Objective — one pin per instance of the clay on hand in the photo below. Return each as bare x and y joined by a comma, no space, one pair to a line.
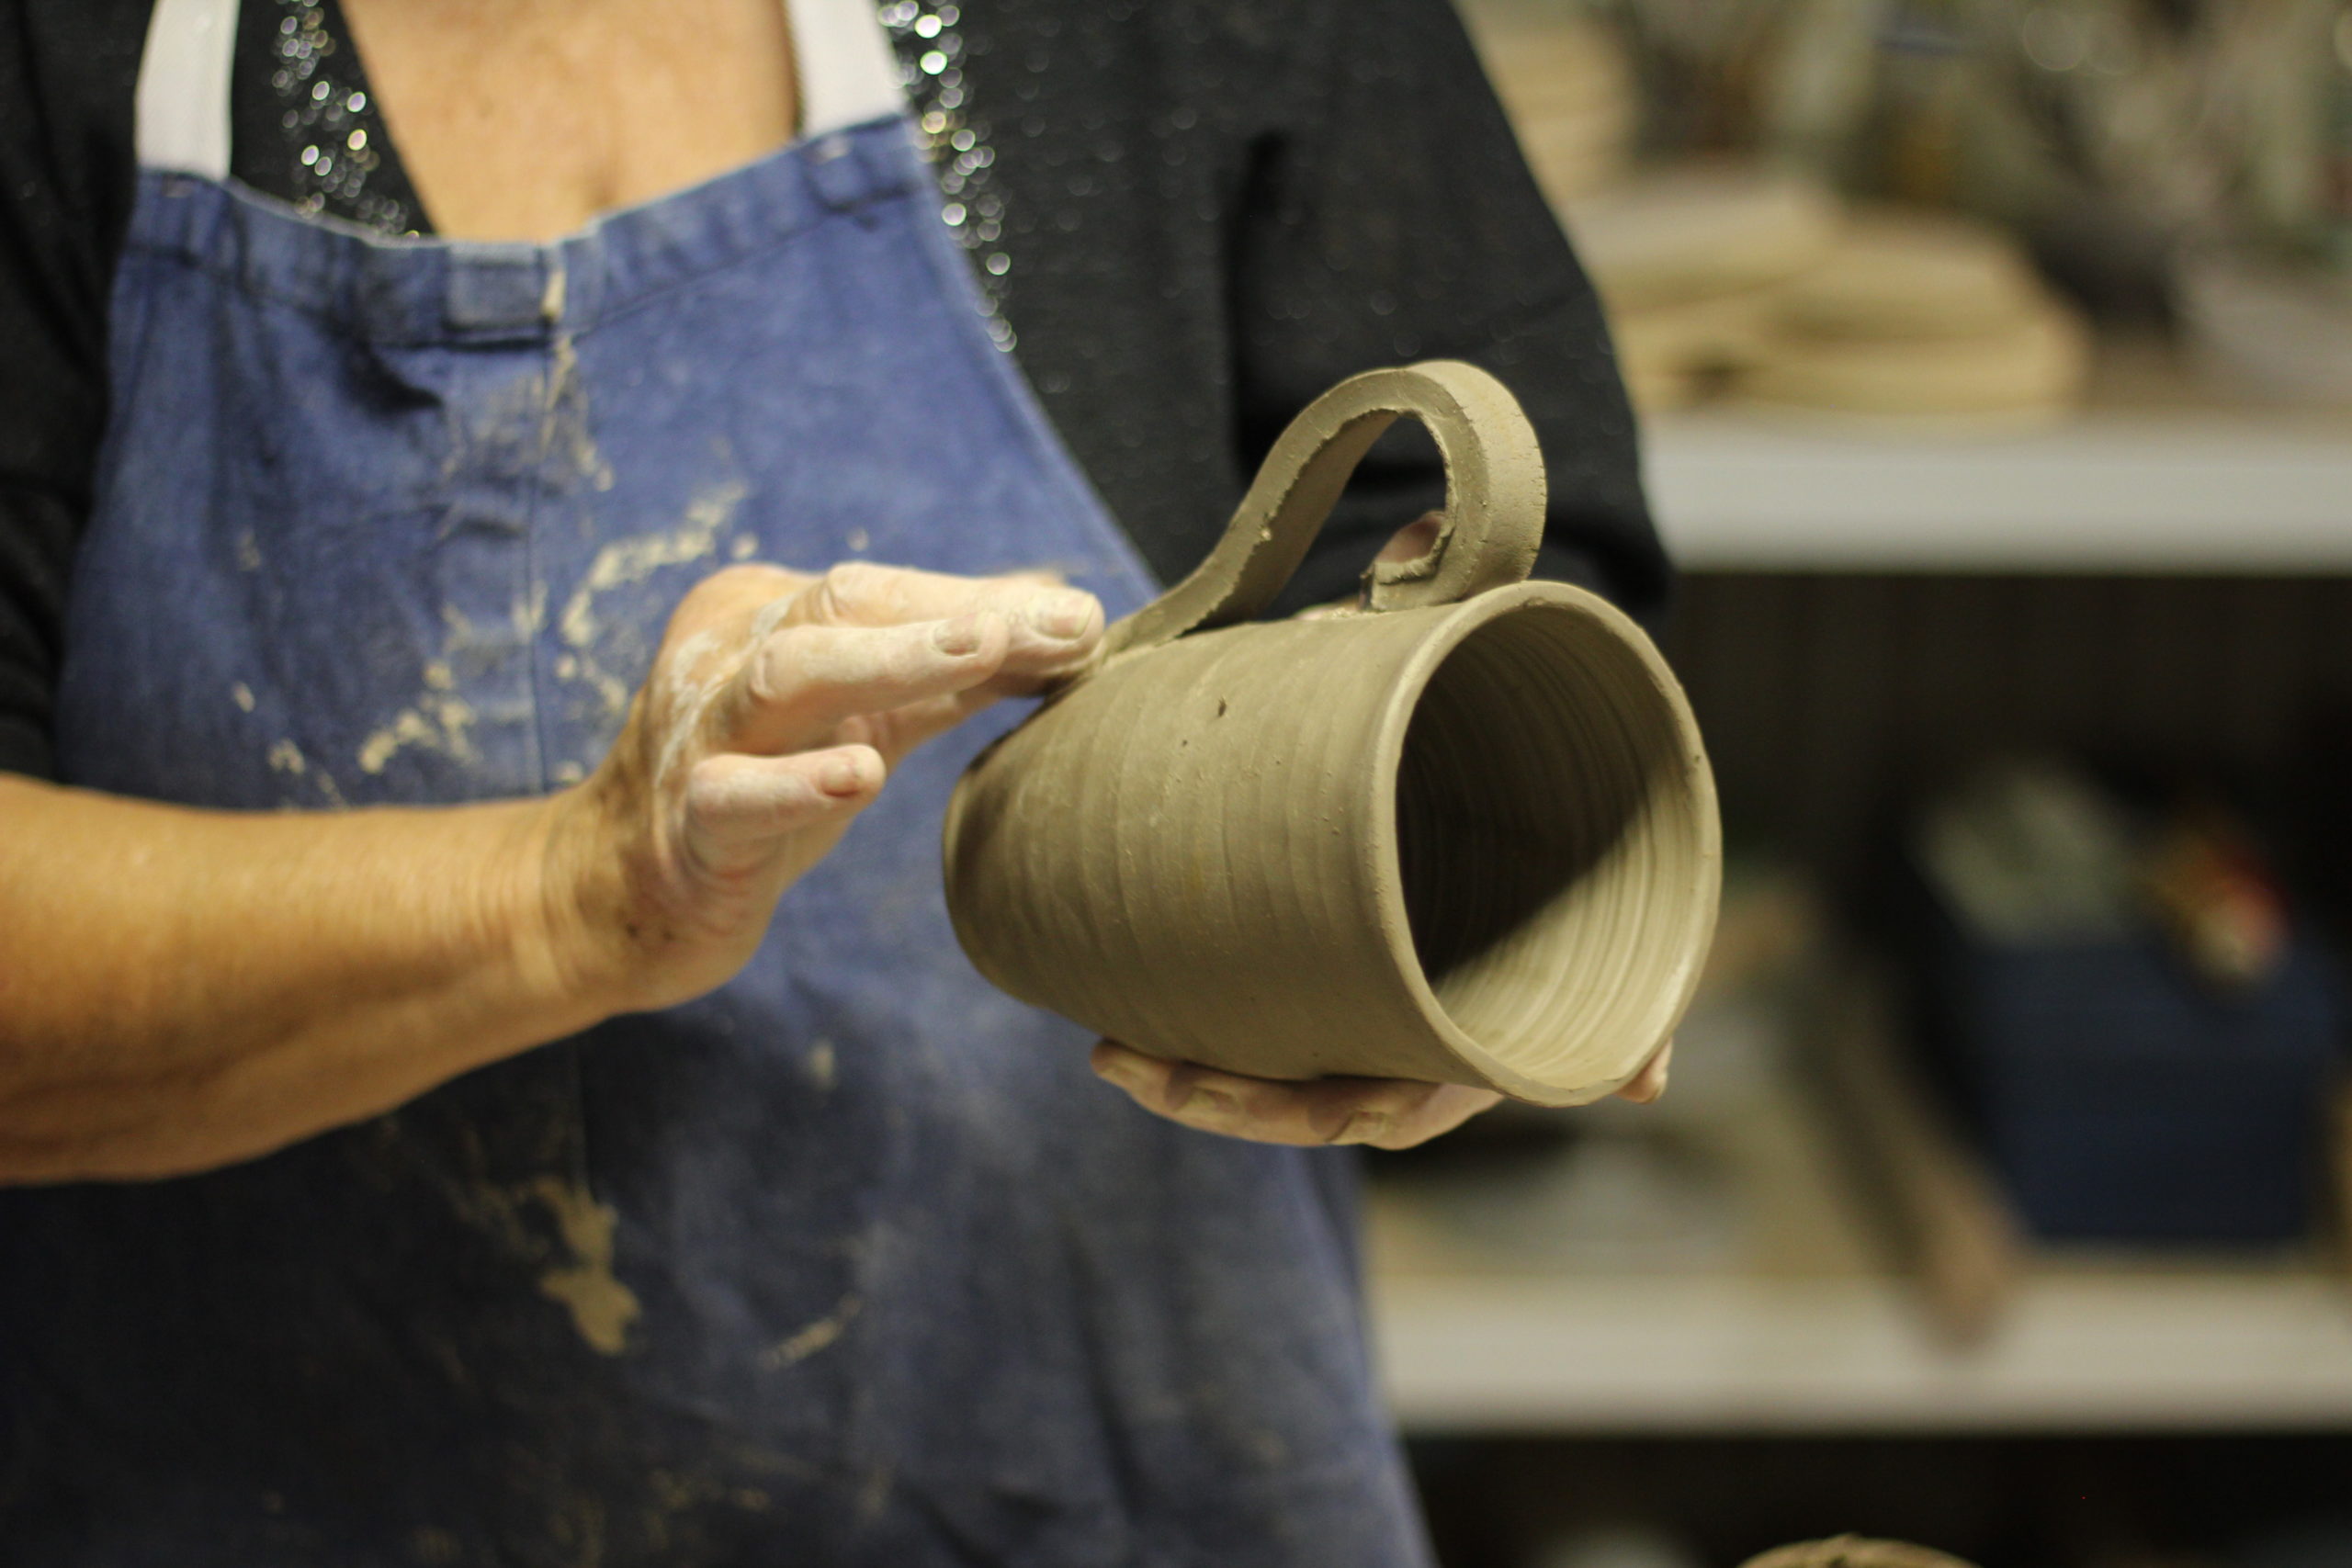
1389,1113
776,707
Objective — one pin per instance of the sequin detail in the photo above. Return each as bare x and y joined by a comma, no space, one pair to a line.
334,135
932,53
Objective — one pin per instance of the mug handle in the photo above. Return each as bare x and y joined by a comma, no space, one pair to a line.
1487,535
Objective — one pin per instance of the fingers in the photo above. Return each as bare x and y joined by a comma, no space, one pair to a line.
1650,1082
739,810
1052,629
1388,1112
802,681
1411,542
1451,1105
1414,540
819,661
862,594
900,730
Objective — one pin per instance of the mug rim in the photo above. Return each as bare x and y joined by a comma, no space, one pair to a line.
1702,890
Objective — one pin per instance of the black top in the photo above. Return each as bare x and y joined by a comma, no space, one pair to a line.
1194,215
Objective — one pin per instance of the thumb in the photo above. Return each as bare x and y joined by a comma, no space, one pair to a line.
1414,540
740,810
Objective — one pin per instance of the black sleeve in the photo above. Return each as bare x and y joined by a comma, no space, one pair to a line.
68,69
1398,221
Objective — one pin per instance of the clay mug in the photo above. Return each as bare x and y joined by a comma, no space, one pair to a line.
1464,834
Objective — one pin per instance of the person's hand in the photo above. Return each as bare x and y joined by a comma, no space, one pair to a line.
776,707
1389,1113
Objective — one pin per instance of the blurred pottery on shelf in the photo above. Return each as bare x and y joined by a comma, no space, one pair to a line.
2030,372
1569,89
1466,833
1700,231
1757,286
1913,274
1676,354
2279,333
1921,317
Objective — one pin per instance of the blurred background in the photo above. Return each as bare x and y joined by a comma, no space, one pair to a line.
1995,360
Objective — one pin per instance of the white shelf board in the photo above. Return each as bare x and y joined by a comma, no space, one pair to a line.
2082,1350
2176,491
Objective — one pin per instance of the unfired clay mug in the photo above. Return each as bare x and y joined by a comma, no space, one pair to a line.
1465,834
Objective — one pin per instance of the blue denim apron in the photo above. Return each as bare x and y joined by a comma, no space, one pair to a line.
849,1262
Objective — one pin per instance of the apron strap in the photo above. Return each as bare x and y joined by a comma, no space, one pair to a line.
181,110
846,71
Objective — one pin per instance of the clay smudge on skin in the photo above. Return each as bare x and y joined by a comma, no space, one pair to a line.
602,1307
689,698
818,1335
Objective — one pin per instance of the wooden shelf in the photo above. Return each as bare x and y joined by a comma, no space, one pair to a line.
2084,1347
2174,491
1759,1287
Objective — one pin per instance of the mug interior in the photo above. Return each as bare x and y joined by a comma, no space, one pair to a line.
1550,848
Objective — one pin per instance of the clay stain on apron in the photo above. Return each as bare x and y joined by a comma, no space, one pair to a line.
818,1335
565,429
286,758
438,719
625,562
602,1307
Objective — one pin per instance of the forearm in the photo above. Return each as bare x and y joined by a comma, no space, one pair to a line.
184,988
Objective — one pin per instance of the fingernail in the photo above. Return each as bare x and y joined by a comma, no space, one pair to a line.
1063,614
959,636
1126,1077
1365,1127
1209,1102
841,775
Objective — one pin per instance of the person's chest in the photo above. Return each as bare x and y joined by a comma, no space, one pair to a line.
525,119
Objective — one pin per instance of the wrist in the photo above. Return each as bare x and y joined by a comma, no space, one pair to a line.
570,925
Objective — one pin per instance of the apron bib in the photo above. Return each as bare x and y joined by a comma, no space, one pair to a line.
852,1261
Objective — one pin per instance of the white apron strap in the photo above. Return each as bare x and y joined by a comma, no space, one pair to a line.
181,107
846,69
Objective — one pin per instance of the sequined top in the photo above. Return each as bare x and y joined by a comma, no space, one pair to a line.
303,125
1192,216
